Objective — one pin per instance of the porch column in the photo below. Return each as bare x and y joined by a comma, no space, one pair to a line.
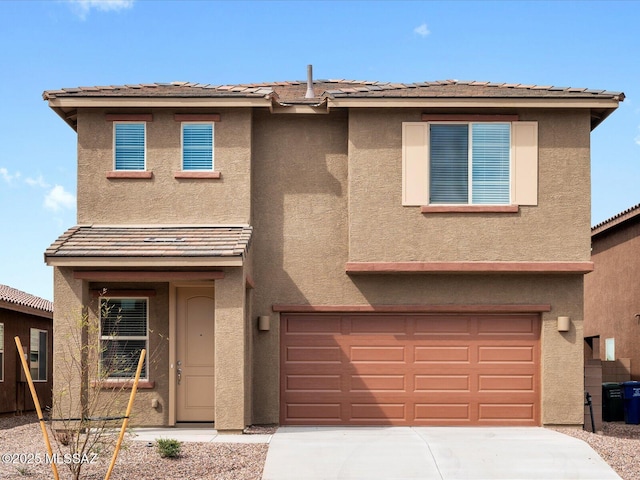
230,338
69,337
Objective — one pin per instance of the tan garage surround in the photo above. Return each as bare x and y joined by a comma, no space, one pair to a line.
410,369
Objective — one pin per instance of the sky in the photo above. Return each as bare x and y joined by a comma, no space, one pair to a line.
48,45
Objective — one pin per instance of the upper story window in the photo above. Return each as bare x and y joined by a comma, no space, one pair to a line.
129,145
123,335
38,355
469,164
197,147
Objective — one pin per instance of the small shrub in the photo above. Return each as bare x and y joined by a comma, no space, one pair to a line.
168,447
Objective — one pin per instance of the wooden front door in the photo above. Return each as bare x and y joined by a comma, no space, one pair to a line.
195,355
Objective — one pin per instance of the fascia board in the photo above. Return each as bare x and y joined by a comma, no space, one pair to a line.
149,102
144,262
474,102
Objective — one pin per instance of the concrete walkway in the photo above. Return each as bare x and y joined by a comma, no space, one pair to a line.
387,453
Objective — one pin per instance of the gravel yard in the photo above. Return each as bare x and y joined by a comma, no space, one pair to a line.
618,444
219,461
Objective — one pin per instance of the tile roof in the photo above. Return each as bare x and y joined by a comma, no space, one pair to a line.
294,91
17,297
618,219
119,241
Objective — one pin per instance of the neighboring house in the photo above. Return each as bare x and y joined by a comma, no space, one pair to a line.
30,318
612,293
365,254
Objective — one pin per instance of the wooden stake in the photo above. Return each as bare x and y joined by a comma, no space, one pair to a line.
126,416
37,404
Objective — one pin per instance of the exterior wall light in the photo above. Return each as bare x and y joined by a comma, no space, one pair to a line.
564,324
264,323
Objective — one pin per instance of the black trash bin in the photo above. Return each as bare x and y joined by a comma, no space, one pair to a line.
612,402
631,393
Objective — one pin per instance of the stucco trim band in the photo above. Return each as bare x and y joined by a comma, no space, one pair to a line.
198,175
468,267
455,117
518,308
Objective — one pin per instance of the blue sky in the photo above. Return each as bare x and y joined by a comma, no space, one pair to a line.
53,44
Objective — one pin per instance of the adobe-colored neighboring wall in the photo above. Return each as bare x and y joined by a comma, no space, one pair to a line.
310,198
14,395
164,199
612,291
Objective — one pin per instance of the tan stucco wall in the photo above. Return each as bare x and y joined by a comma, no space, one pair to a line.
612,291
313,192
164,199
555,230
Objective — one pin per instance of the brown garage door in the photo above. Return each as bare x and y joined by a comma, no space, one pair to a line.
406,369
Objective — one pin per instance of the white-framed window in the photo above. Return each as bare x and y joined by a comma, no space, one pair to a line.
197,146
129,145
469,163
38,354
609,349
1,352
123,334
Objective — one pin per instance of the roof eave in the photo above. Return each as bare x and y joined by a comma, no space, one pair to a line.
16,307
144,262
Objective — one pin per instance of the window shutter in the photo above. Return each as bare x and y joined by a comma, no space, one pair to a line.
449,153
129,146
491,147
415,164
524,142
197,146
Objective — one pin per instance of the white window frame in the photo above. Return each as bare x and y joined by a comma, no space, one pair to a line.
416,168
213,138
1,352
107,338
610,349
39,353
469,126
122,122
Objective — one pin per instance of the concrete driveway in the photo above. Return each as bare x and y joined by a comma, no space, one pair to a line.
386,453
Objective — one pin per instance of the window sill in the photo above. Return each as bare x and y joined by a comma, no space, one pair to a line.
469,209
129,174
186,174
123,384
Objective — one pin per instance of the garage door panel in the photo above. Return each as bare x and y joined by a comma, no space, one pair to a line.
377,354
442,412
306,354
442,383
505,412
511,355
380,411
313,383
383,324
378,383
310,413
309,325
432,374
443,326
507,325
506,383
442,354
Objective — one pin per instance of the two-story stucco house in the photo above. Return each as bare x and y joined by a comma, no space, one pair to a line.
344,252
